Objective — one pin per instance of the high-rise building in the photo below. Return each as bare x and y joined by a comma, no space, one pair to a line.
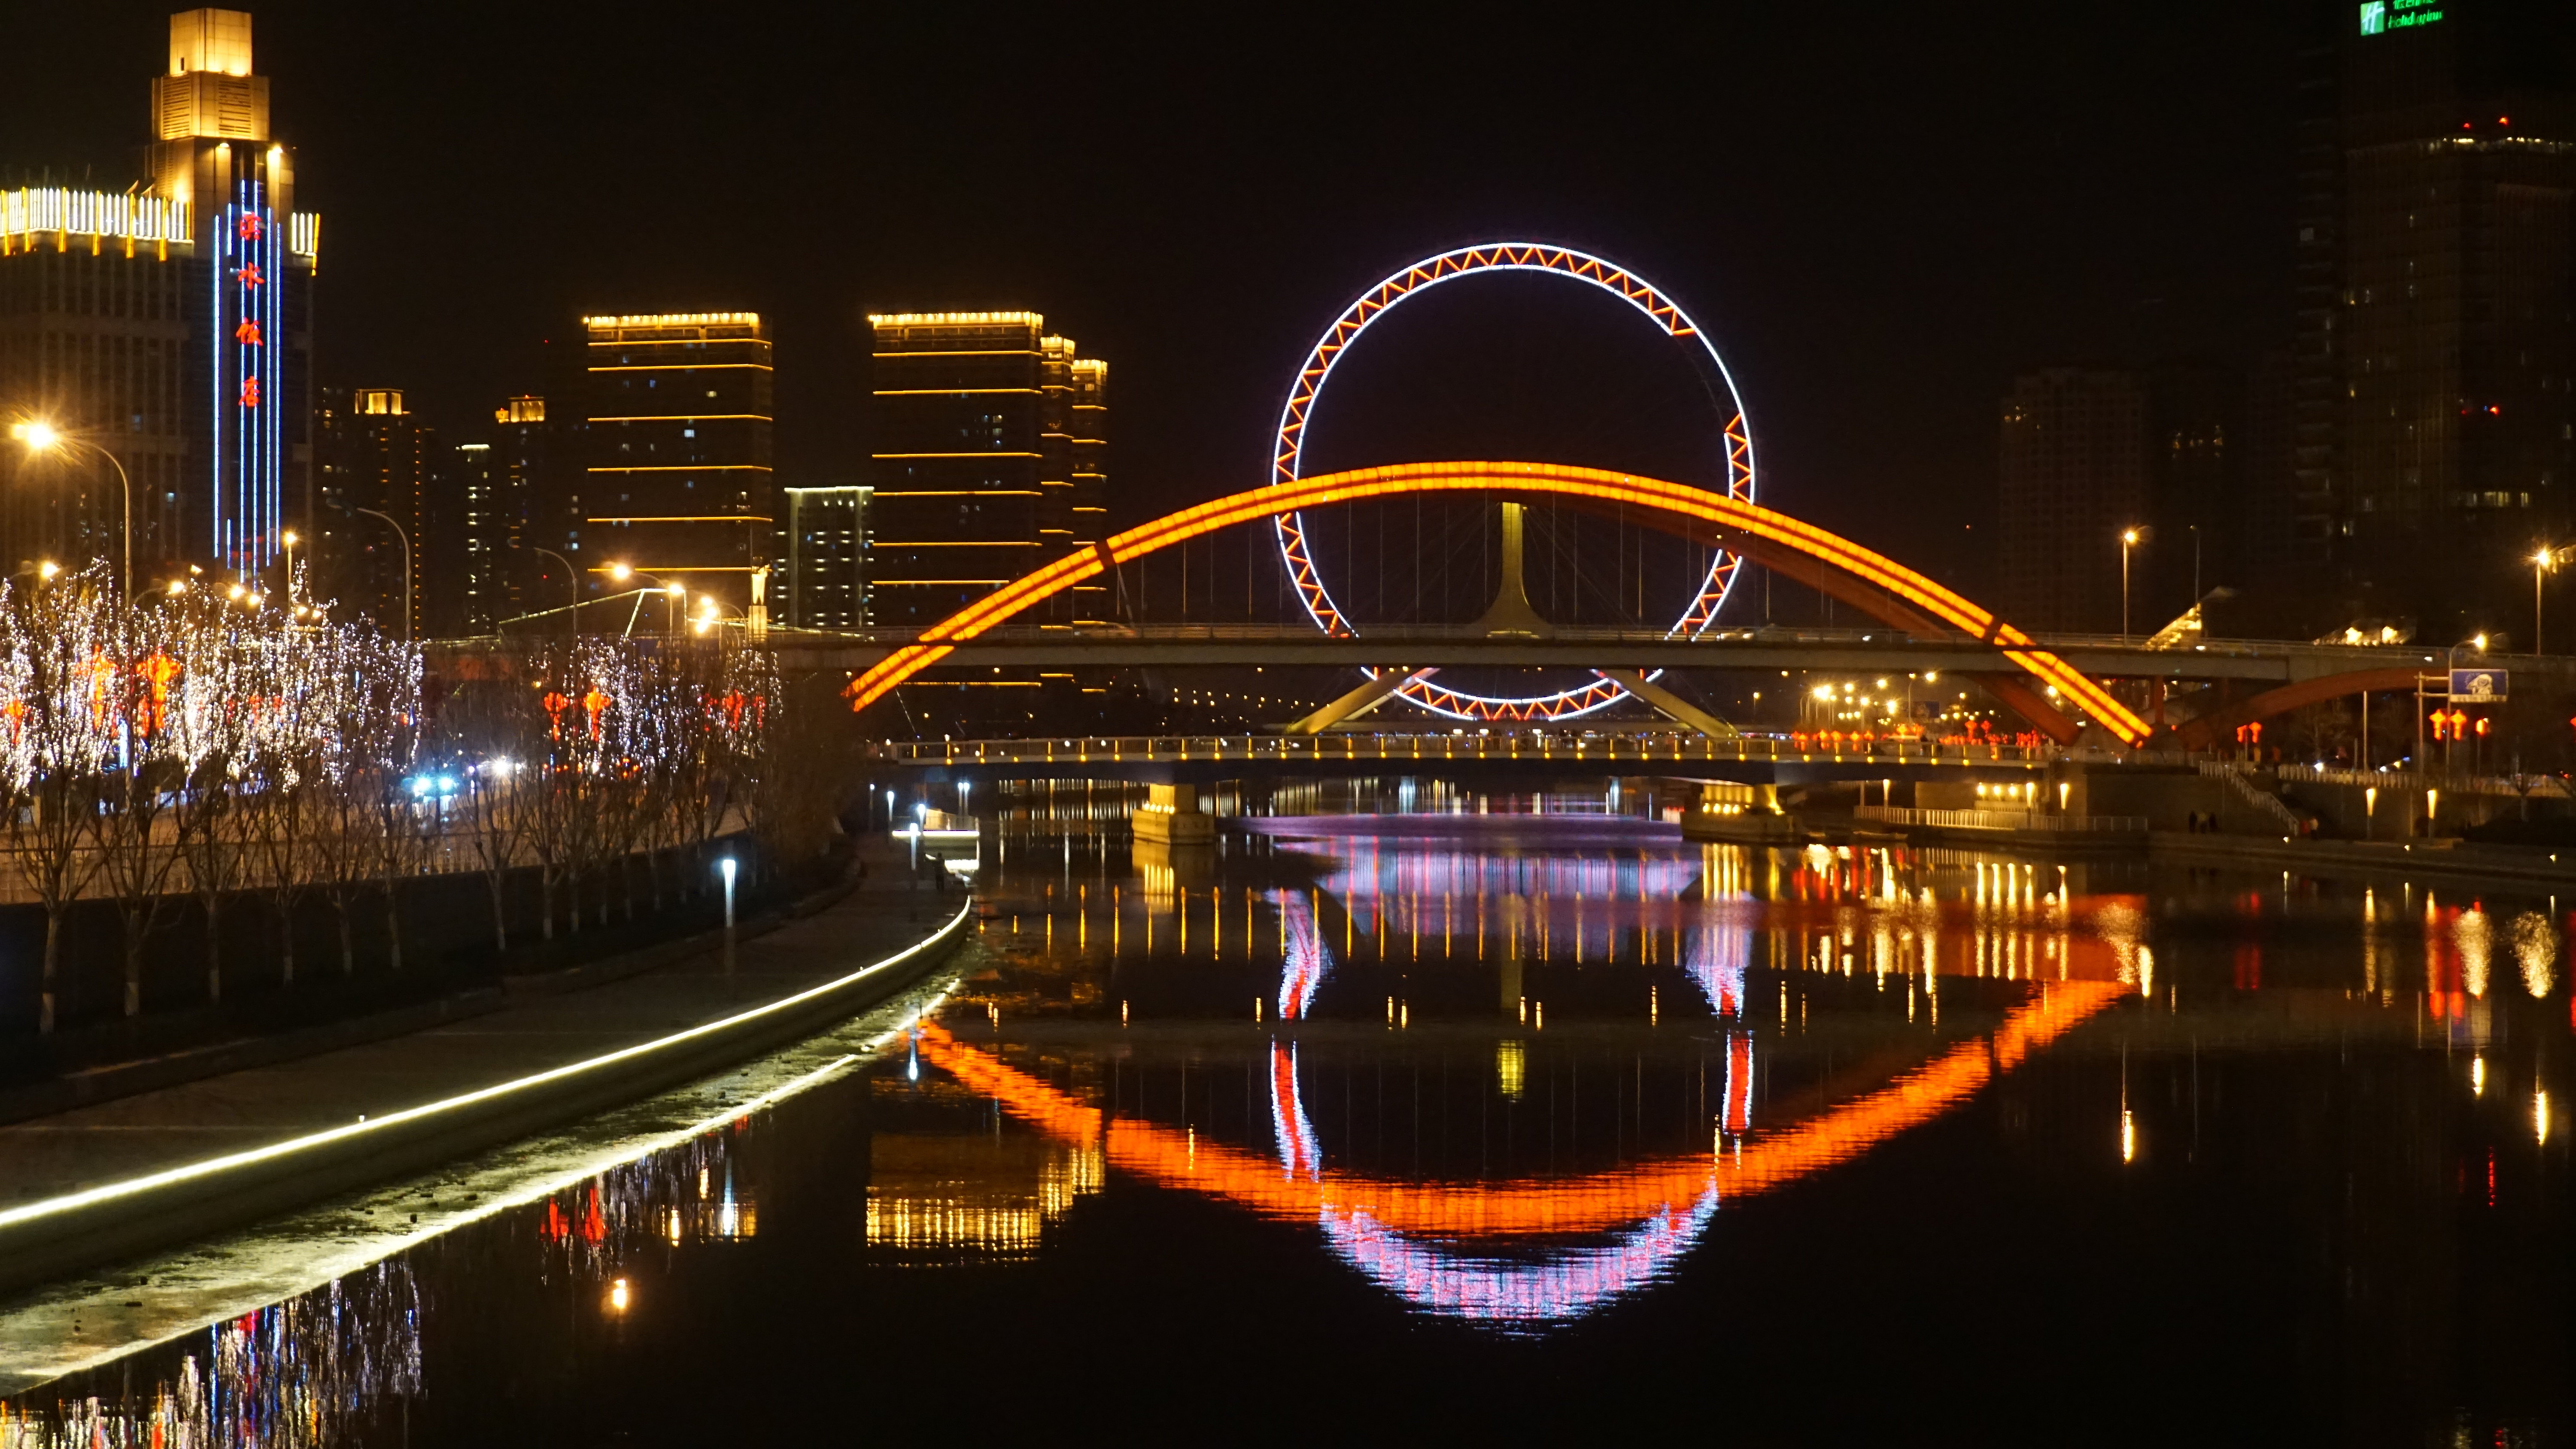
375,537
476,521
165,323
991,459
2195,442
2074,478
536,573
2435,425
826,584
677,481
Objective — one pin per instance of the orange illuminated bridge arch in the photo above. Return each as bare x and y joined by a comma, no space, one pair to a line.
1896,594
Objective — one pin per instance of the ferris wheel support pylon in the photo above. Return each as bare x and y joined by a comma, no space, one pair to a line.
1356,703
1672,706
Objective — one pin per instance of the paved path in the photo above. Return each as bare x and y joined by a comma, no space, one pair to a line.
112,1141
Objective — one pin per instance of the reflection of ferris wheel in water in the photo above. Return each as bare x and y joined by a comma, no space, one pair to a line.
1316,595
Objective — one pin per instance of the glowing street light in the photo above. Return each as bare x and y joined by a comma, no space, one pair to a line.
2541,563
2129,538
728,867
44,437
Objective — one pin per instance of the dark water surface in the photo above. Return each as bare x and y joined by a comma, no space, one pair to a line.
1476,1123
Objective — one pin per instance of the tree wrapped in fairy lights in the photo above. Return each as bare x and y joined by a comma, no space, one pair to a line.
199,746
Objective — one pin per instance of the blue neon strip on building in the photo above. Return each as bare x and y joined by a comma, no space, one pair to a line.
249,437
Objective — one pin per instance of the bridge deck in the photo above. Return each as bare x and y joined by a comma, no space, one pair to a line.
1751,756
1872,650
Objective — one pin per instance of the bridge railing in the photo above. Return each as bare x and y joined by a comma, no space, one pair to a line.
2395,655
2539,787
1567,746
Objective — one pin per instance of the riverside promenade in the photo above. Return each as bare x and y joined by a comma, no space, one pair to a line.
85,1187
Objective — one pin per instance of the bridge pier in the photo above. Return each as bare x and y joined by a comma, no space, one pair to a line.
1740,814
1171,816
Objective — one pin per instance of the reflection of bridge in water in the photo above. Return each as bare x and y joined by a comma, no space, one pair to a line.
1462,1248
2021,955
1547,1248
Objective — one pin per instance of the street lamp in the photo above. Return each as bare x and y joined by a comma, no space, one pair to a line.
728,867
2129,538
44,437
2541,563
673,595
406,554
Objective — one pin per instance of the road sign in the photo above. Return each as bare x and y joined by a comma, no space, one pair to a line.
2478,686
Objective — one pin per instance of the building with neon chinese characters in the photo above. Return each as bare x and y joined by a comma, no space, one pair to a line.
676,481
991,460
166,323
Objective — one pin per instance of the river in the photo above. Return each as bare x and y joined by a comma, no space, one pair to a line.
1409,1110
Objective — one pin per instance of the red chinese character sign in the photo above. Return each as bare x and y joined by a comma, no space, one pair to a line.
250,275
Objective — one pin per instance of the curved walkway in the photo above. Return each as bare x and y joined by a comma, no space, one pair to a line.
85,1187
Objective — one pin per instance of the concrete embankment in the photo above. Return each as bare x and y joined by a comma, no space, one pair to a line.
2446,859
89,1187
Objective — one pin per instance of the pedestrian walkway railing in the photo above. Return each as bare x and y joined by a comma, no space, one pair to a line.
1555,745
2549,787
2262,801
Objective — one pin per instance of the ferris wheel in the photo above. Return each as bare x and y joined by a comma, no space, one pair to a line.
1730,467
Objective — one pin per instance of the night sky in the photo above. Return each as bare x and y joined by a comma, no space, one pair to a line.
1880,212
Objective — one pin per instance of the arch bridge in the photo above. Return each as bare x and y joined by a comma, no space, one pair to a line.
1925,624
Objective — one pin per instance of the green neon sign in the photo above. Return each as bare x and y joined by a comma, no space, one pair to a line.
2378,17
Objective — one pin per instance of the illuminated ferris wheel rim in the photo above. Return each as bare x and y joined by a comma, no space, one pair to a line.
1287,458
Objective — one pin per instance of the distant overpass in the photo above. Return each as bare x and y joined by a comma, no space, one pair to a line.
1873,650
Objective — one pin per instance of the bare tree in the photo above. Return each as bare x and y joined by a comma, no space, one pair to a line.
801,767
488,728
57,747
136,834
284,820
214,846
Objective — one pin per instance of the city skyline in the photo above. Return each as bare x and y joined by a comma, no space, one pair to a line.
1842,250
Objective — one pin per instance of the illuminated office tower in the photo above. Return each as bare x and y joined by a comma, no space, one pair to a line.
167,324
377,456
826,559
478,520
2435,428
991,459
676,481
525,452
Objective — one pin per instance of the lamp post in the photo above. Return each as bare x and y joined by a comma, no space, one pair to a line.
2129,538
2540,563
41,437
406,548
672,594
727,866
